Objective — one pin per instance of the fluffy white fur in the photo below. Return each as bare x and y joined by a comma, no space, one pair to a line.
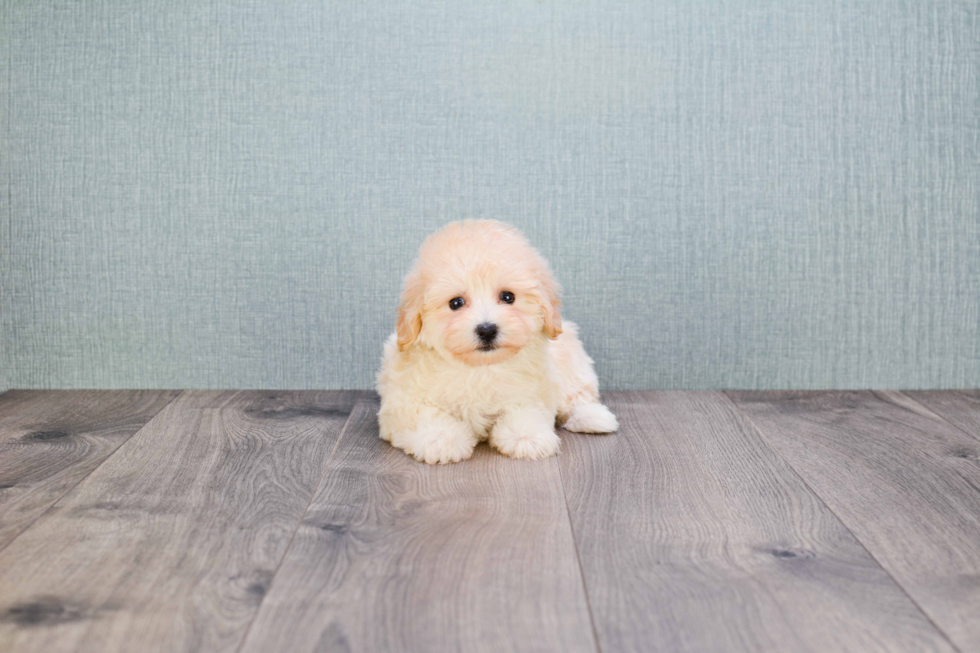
442,393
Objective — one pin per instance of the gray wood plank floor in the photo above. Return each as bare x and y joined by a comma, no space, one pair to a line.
394,555
962,409
902,479
695,536
170,544
51,440
278,521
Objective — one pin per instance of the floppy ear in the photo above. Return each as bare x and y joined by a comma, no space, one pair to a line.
410,311
551,305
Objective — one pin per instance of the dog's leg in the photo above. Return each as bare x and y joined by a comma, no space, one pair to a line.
579,409
435,437
526,432
591,418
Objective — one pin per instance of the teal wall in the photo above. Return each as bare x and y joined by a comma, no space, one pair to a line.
734,194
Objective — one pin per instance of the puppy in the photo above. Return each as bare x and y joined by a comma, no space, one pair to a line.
480,352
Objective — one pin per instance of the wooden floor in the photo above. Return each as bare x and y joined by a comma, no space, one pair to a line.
278,521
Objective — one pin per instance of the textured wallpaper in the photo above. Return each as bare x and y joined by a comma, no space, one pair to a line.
733,194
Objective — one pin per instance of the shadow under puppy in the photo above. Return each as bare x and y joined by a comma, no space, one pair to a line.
481,353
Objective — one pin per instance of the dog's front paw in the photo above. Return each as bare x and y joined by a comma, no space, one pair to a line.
591,418
526,434
437,443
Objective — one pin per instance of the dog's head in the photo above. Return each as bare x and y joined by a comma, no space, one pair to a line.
478,293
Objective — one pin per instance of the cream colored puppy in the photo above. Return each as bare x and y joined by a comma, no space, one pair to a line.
481,353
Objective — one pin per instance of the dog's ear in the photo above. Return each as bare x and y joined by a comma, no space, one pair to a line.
410,311
551,304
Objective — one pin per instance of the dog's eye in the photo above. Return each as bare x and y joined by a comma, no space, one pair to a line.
507,297
456,303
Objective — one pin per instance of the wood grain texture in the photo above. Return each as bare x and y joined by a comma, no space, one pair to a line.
695,536
959,407
51,440
171,544
394,555
904,481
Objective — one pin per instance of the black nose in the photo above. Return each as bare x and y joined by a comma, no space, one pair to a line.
487,332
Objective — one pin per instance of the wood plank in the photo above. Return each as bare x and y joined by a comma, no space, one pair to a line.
695,536
171,544
394,555
52,439
960,408
904,481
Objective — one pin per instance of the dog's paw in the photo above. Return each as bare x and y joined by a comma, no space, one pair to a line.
527,435
437,444
530,446
591,418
